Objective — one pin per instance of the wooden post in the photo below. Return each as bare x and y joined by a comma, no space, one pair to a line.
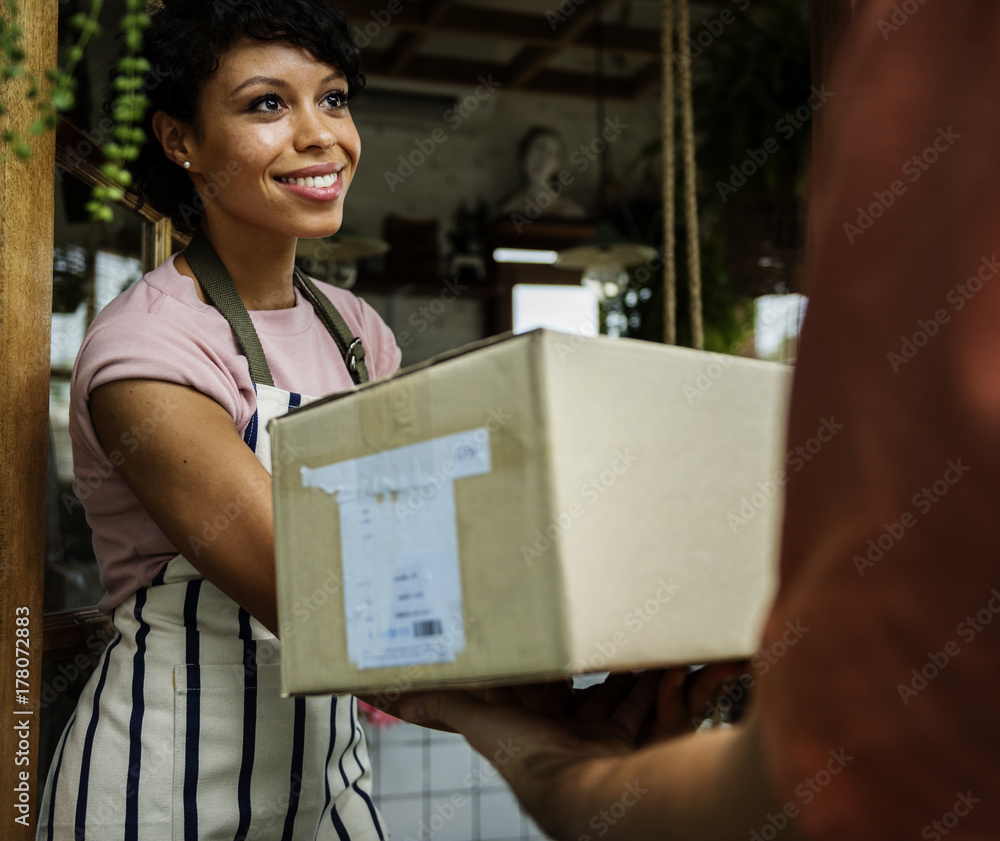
26,231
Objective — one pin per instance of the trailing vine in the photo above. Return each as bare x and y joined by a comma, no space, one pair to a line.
56,91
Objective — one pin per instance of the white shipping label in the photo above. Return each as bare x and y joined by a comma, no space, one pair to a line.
399,548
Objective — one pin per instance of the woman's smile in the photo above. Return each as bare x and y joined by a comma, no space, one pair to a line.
319,183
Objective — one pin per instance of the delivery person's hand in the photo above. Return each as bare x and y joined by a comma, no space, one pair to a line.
602,764
532,739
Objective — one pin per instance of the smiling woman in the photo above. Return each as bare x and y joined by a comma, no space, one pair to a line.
182,733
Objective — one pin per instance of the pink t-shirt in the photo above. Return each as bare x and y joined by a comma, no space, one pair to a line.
160,330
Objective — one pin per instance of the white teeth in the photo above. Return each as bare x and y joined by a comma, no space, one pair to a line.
320,181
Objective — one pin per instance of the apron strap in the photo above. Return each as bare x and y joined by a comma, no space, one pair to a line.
222,294
350,346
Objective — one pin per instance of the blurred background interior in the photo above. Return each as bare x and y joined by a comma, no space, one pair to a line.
498,136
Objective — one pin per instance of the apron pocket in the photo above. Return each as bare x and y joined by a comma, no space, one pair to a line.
233,752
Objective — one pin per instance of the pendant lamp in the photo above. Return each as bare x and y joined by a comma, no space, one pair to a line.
338,255
604,260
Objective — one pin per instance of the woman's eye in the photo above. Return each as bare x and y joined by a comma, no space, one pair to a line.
337,99
269,103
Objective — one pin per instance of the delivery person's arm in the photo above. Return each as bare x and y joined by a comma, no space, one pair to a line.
705,786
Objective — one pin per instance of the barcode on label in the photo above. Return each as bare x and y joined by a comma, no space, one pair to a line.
430,628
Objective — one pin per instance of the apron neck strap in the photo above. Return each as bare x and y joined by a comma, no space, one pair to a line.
222,294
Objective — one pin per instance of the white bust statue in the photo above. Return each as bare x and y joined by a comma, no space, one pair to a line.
541,153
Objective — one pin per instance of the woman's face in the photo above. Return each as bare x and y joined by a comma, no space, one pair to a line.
277,148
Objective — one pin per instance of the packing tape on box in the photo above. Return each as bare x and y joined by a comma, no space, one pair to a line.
399,547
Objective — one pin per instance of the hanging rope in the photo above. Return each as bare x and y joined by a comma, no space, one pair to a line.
690,185
669,244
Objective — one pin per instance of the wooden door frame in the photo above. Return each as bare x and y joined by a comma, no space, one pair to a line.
27,207
26,234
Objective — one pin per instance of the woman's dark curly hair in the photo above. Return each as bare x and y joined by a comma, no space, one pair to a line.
184,46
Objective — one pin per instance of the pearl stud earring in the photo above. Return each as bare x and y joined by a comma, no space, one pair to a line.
187,164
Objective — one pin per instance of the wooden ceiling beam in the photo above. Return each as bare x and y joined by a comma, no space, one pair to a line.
451,17
464,72
563,83
526,65
424,68
647,79
404,48
489,23
623,39
409,43
530,61
532,30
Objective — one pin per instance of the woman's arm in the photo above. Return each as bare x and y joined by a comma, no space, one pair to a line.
189,469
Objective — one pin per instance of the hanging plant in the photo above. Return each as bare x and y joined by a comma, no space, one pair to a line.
755,110
746,81
55,91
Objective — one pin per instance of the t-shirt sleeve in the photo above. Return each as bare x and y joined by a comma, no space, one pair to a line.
143,346
383,355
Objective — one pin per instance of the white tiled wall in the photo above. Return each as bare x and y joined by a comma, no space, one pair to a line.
432,786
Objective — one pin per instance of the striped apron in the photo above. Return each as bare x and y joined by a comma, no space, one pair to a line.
181,733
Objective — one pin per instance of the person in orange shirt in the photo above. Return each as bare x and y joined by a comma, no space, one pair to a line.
876,723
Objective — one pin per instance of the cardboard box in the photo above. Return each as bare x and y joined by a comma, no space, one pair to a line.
527,507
